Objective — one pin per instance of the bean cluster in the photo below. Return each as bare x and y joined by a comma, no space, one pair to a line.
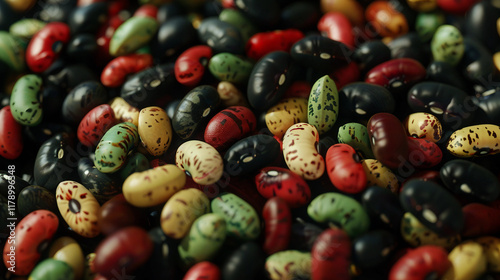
250,139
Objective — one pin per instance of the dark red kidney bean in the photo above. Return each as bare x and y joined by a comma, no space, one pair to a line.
117,70
270,78
173,36
123,251
336,26
161,263
370,54
221,36
302,15
11,138
264,13
481,22
117,213
476,65
360,101
244,263
298,89
389,140
450,105
283,183
443,72
396,73
433,206
373,248
146,10
168,11
103,186
421,263
148,87
488,104
82,48
423,153
346,75
480,220
331,255
344,169
70,76
262,43
88,18
56,161
229,126
320,53
95,124
191,65
45,46
470,179
83,98
34,198
250,154
199,104
203,270
277,225
410,46
383,205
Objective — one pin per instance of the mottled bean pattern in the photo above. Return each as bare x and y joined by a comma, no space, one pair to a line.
323,104
155,130
201,160
114,147
241,219
286,113
25,103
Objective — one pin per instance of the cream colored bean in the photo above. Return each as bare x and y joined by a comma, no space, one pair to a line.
201,160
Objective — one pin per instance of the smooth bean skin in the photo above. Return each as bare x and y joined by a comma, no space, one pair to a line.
115,72
131,35
417,234
88,18
409,46
174,35
201,160
191,65
261,12
389,144
229,67
360,101
380,175
250,154
370,54
277,224
264,43
373,248
426,24
116,213
396,73
52,269
124,112
421,262
323,104
468,261
471,179
473,141
382,204
203,270
244,263
320,53
443,72
67,249
480,24
386,20
476,64
270,78
286,113
230,95
95,124
25,102
480,220
34,198
102,185
112,151
11,138
239,20
356,136
289,264
424,126
490,246
331,255
155,130
433,206
337,27
46,45
221,36
423,153
229,126
12,52
344,169
332,207
488,107
83,98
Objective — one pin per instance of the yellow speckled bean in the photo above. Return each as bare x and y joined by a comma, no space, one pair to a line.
417,234
286,113
468,262
476,140
155,130
123,111
424,126
491,247
379,175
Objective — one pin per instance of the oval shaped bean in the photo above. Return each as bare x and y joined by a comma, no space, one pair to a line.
447,44
67,250
32,198
25,102
277,224
286,113
116,213
82,99
95,124
201,160
473,141
423,153
131,35
420,263
230,95
356,136
373,248
181,210
221,36
382,204
488,104
468,261
333,207
245,262
360,101
323,106
203,270
386,19
320,53
114,147
173,36
337,27
11,138
52,269
46,45
88,18
396,73
344,169
229,67
370,54
300,151
154,130
491,247
417,234
263,43
12,52
239,20
424,126
229,126
331,255
289,264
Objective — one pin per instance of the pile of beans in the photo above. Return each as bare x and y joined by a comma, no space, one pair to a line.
250,139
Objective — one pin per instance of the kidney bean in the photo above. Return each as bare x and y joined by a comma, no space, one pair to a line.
132,34
277,224
468,261
203,270
386,20
114,147
320,53
344,169
221,36
416,234
331,255
478,140
420,263
11,139
190,65
373,248
115,72
361,101
263,43
229,126
45,46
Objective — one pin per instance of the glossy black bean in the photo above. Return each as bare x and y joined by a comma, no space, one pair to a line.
270,78
451,105
443,72
221,36
82,48
34,198
470,179
69,76
383,205
168,11
18,184
302,15
102,185
263,13
250,154
303,235
373,248
244,263
148,87
325,143
53,98
44,131
56,161
370,54
171,106
88,18
433,206
321,53
477,66
362,100
488,104
196,107
410,46
173,37
83,98
481,24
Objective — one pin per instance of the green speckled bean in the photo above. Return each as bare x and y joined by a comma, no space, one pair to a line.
11,51
26,27
205,237
426,24
131,35
231,68
241,219
240,21
323,105
341,210
114,147
356,136
50,269
447,44
25,103
417,234
289,264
